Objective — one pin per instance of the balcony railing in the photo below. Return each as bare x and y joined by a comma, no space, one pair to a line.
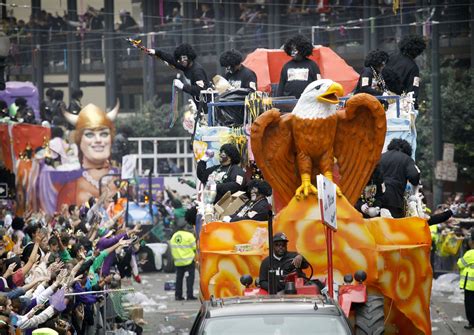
165,156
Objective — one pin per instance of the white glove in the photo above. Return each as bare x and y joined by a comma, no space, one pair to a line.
207,155
365,209
178,84
373,211
385,213
151,51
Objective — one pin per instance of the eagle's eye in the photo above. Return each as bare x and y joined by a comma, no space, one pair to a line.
318,87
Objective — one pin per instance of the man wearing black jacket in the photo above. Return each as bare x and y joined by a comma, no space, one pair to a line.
284,262
228,176
398,167
183,59
300,71
404,64
237,74
371,80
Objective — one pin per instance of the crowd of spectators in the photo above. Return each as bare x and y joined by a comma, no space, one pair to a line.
44,258
248,21
50,110
451,226
79,249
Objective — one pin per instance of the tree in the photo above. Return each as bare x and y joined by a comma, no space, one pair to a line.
153,121
457,113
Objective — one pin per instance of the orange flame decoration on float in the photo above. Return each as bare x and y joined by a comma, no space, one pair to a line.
394,253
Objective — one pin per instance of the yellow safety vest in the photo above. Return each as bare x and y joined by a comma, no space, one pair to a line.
183,247
466,269
434,234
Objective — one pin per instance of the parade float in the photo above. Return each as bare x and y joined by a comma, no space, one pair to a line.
393,253
345,148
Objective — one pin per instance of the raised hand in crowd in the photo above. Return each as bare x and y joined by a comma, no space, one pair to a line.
10,270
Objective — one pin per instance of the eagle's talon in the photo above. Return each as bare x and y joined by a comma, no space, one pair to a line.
305,189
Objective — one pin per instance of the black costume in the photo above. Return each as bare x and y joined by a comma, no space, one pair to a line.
283,266
75,106
440,217
408,71
27,114
372,195
228,178
252,210
370,82
46,113
242,78
295,76
195,74
398,168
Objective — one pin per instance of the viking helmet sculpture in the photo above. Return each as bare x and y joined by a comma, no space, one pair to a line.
92,117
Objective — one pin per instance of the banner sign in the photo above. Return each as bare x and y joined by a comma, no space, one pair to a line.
327,195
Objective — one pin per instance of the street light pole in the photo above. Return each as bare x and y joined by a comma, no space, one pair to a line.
436,103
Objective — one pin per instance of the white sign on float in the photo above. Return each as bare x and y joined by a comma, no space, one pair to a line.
327,197
129,164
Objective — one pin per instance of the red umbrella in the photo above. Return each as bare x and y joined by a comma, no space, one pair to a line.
267,64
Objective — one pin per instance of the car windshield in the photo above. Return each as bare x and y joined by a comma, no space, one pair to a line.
276,325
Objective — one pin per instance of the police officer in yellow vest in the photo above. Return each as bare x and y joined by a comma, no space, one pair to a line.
466,269
183,250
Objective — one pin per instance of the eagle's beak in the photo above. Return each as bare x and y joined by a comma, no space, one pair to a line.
332,94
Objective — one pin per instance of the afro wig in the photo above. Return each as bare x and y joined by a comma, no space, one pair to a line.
412,46
231,151
301,43
399,144
231,58
392,80
262,186
376,58
184,50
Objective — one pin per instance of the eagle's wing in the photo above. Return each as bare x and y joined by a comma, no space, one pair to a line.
272,145
358,144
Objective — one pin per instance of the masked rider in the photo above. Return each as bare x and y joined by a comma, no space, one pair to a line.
228,175
297,73
256,208
238,75
184,59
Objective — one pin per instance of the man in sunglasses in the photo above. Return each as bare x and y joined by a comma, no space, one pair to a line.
183,59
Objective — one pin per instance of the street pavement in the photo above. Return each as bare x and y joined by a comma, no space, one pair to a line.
448,317
164,315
